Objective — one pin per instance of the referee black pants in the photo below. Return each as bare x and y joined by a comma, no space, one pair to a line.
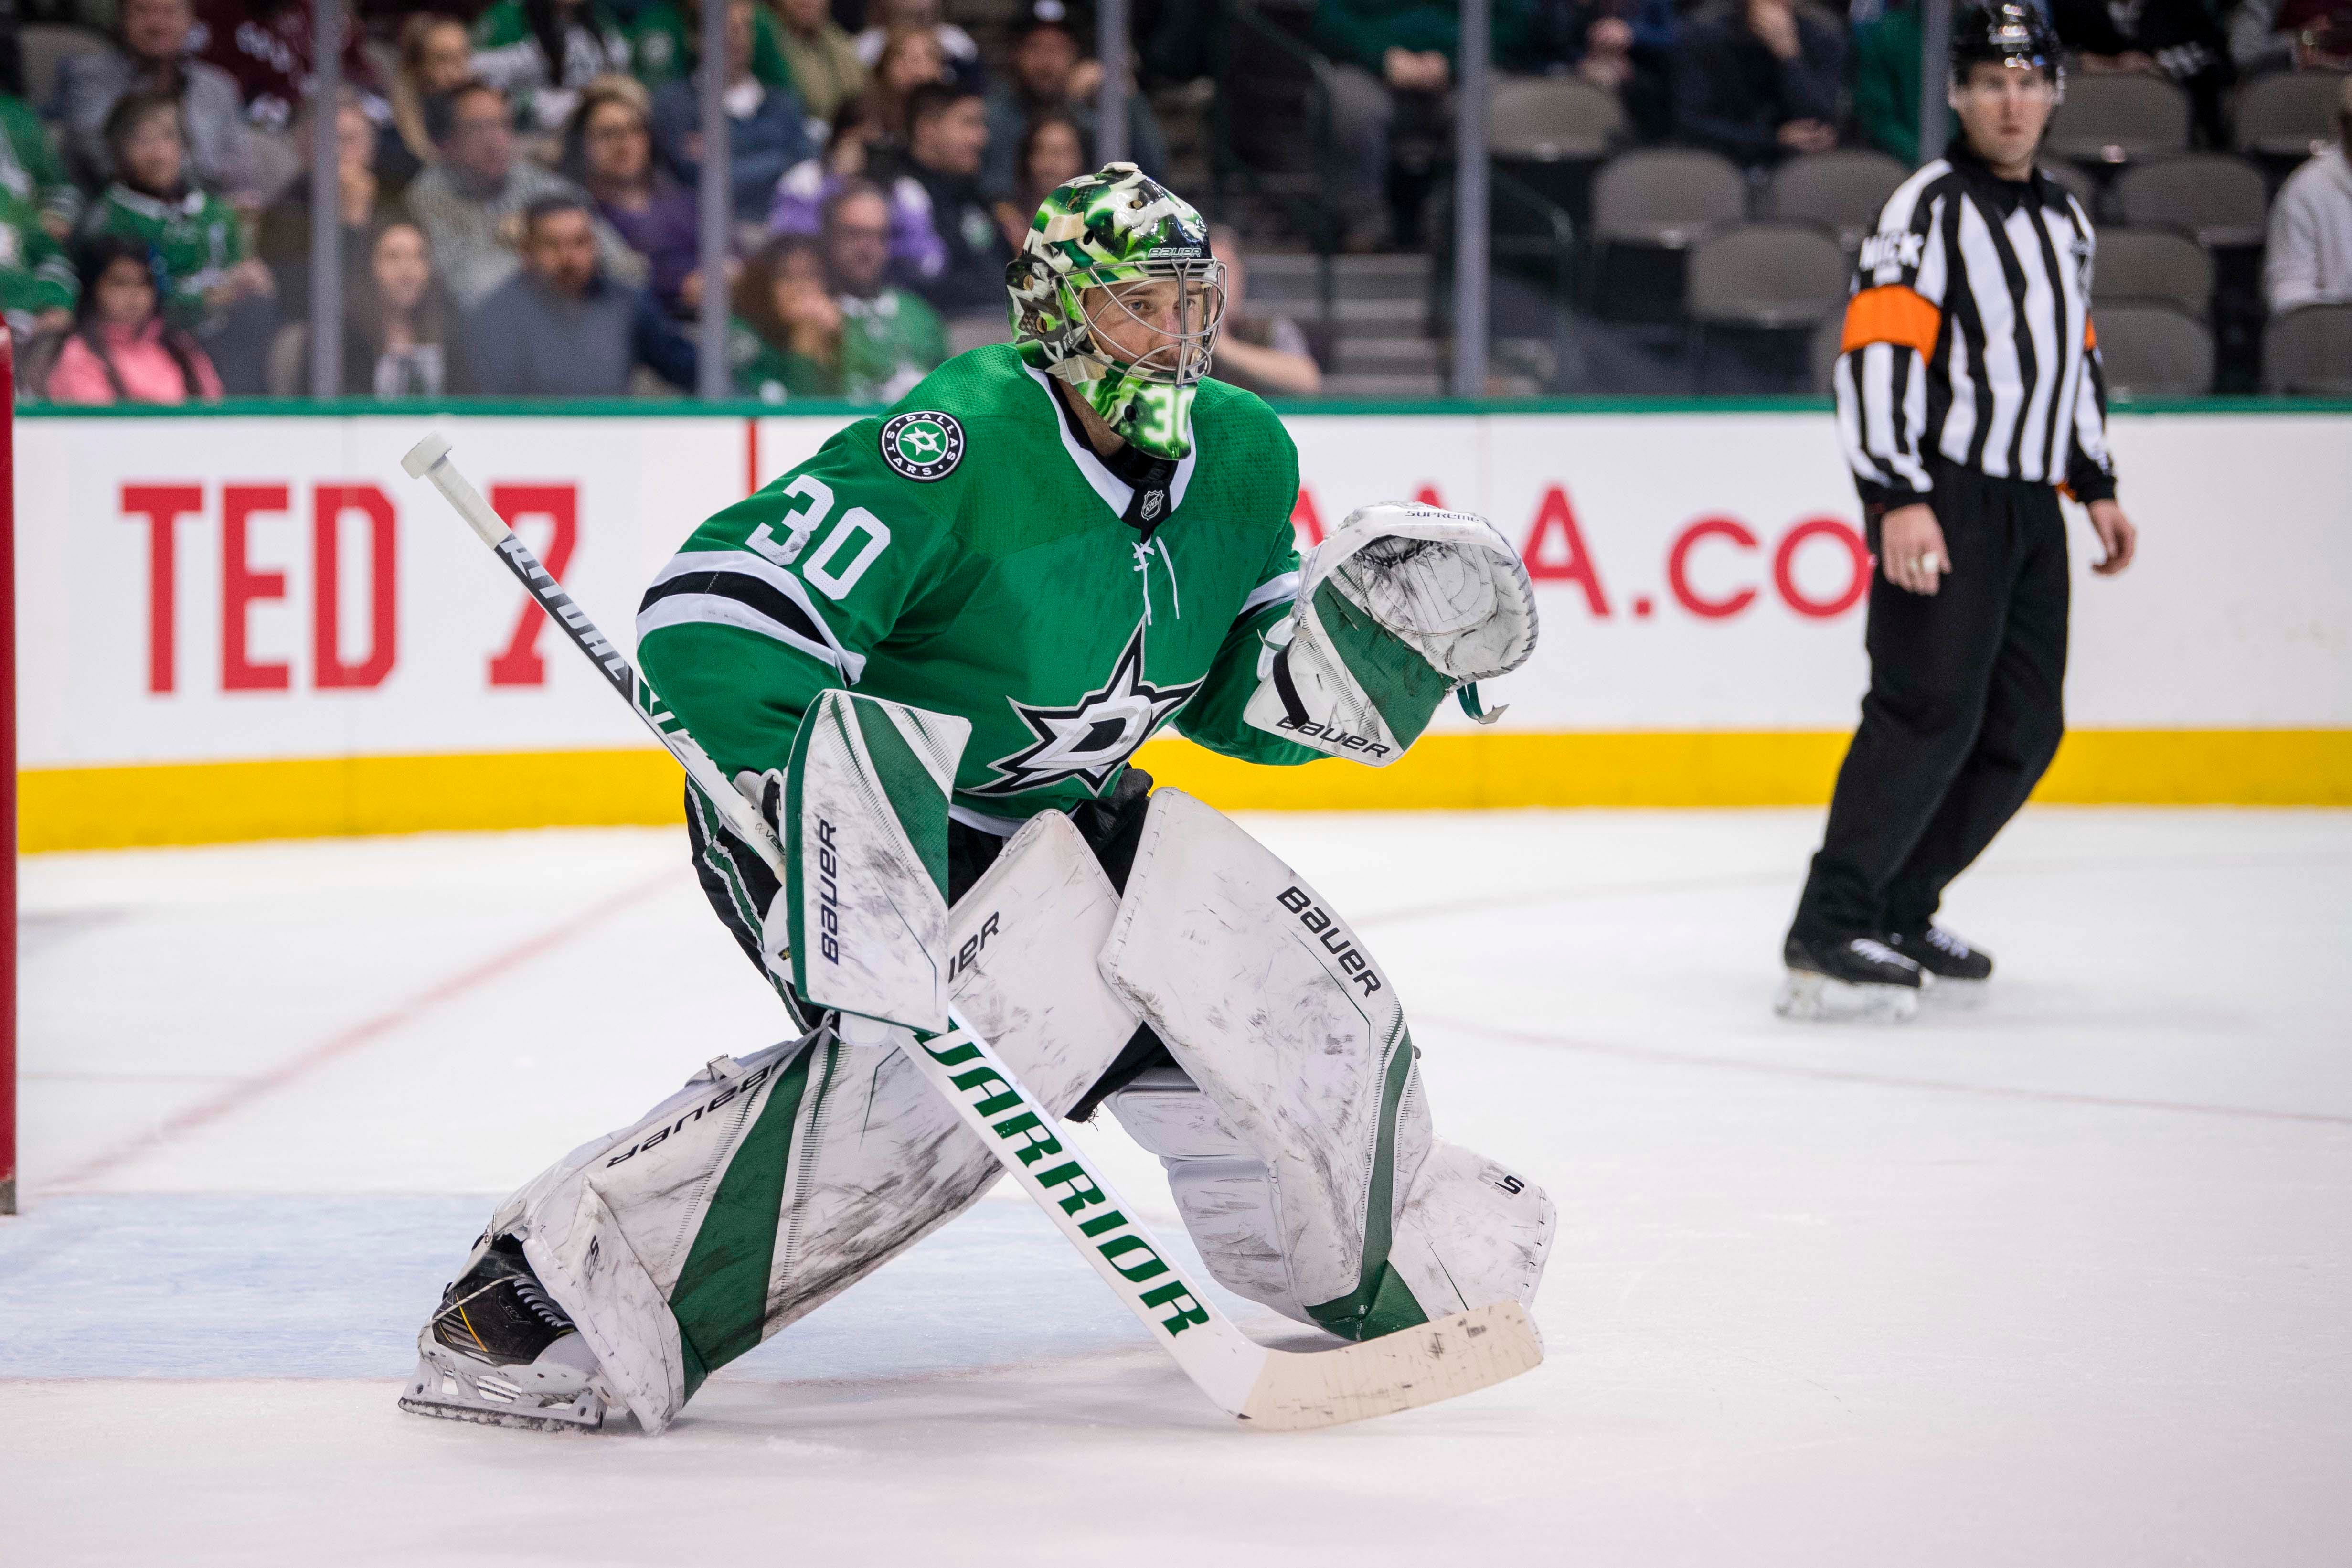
1962,716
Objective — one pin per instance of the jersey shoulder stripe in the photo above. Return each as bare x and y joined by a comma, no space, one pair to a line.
738,588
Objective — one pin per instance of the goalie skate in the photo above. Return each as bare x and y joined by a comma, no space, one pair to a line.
559,1392
500,1353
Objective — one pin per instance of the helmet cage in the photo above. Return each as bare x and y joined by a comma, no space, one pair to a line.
1182,356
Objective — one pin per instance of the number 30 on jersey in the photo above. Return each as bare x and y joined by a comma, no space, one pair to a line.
841,557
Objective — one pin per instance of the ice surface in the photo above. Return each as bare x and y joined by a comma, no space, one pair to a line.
2063,1279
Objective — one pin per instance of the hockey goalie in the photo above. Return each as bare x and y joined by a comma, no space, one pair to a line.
996,593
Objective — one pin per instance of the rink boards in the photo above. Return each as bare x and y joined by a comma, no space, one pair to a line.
252,624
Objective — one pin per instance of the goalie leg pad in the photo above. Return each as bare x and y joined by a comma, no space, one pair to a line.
1472,1232
1297,1146
768,1185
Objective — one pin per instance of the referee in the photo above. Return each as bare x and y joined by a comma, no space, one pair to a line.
1969,394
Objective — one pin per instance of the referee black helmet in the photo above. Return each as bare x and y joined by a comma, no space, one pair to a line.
2010,34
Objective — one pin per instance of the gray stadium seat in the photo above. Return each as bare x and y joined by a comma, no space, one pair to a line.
1669,197
1841,191
2210,197
2309,350
2291,114
1553,119
1766,275
2121,118
2153,351
45,44
2076,183
2151,266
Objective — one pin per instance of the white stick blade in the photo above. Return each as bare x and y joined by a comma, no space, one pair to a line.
424,455
1402,1371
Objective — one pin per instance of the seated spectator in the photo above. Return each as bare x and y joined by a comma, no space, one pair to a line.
211,287
609,151
1624,46
121,350
2291,34
265,47
561,328
800,196
767,131
400,337
911,60
785,339
437,58
31,174
1391,86
37,285
1886,81
825,68
948,139
890,338
1266,354
283,239
1759,82
888,18
2178,39
542,53
664,45
1051,154
1051,76
470,202
2309,259
150,38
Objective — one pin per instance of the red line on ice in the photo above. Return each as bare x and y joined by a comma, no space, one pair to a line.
245,1092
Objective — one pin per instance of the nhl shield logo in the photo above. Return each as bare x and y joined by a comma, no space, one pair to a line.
923,446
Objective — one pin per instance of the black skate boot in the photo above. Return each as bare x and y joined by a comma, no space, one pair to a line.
1960,970
500,1351
1857,978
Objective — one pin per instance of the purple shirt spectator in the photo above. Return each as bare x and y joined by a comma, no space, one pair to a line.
916,252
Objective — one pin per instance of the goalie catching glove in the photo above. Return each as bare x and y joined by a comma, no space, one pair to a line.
1402,605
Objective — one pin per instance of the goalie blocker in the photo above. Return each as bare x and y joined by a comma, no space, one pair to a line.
1293,1123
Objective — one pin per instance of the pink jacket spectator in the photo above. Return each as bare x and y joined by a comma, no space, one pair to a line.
149,371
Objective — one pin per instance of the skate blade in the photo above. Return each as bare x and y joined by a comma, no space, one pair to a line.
541,1421
1818,999
495,1398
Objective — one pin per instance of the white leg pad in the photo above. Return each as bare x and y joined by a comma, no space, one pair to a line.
1298,1158
1471,1233
875,1160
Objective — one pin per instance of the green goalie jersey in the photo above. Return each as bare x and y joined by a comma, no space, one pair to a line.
967,553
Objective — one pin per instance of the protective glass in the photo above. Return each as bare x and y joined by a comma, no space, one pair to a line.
1162,328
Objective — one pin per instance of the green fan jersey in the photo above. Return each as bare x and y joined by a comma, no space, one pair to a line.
969,553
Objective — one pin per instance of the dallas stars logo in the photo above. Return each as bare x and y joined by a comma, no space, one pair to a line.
1091,740
923,446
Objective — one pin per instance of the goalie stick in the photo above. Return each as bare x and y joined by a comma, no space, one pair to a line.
1276,1390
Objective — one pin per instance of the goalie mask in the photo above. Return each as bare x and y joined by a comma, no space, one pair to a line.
1115,292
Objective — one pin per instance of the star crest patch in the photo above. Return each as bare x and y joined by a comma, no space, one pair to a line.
924,447
1093,737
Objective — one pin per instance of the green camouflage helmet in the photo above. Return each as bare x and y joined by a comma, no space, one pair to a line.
1111,230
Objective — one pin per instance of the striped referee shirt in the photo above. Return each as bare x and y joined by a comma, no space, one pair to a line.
1969,338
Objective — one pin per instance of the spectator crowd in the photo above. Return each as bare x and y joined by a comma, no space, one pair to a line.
518,185
518,192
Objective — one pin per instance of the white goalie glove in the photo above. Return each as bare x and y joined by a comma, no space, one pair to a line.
1401,607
